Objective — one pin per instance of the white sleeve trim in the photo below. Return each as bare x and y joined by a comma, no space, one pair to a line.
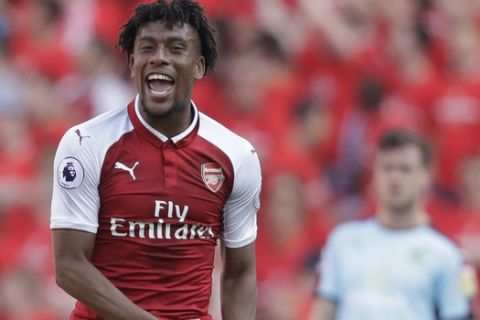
64,224
242,243
240,211
75,198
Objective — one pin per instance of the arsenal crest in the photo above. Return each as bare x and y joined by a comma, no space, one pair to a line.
212,175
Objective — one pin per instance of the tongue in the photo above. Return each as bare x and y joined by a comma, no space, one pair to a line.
159,85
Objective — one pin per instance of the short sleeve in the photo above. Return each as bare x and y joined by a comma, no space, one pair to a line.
75,198
240,210
328,286
452,302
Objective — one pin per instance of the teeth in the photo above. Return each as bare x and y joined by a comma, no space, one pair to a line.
159,76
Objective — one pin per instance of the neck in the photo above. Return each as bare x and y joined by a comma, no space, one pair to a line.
472,202
402,220
172,123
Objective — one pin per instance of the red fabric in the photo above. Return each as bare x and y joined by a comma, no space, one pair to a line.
456,117
43,53
111,15
148,270
25,242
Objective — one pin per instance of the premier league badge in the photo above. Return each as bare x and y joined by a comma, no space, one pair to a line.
212,175
70,173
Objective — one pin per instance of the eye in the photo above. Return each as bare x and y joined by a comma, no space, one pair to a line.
177,48
146,48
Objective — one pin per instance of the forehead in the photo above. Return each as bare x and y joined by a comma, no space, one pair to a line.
162,31
404,155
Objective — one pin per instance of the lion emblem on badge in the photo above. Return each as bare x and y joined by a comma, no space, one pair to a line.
69,172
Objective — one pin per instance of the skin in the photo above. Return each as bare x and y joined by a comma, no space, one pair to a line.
400,178
75,274
173,50
239,283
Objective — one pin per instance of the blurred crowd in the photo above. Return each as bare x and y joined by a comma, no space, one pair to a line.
312,84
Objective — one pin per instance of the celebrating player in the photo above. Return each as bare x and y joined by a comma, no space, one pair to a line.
393,266
142,193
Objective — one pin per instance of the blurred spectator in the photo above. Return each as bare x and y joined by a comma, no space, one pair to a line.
284,249
36,29
11,86
456,113
97,86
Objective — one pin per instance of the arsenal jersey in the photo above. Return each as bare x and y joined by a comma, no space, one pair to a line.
157,205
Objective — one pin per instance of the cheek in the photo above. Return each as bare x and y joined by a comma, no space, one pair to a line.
413,185
136,69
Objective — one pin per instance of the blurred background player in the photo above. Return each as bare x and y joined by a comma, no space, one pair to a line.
394,265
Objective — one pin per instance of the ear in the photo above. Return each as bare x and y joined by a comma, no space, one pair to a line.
130,65
199,68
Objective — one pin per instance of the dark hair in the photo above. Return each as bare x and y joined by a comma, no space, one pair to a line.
175,12
399,138
53,9
371,92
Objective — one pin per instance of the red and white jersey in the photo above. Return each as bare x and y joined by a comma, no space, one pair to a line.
157,205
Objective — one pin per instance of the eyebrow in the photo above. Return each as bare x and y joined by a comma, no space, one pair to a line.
169,39
146,38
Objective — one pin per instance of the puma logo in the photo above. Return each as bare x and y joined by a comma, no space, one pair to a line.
80,137
121,166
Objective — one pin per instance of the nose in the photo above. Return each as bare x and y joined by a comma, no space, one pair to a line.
160,57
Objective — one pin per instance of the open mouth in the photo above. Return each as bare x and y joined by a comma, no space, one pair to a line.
160,84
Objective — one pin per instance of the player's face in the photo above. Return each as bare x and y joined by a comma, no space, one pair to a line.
400,178
165,63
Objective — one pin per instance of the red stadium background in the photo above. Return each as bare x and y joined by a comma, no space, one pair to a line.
312,84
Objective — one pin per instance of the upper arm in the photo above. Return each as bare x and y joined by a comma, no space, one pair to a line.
75,198
238,260
71,246
451,301
71,250
240,210
75,201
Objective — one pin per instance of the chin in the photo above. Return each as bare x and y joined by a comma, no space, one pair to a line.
157,108
401,206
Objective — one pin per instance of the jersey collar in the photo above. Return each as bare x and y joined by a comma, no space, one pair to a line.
163,138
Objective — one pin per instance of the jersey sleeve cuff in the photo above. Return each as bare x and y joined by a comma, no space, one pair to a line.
59,224
234,244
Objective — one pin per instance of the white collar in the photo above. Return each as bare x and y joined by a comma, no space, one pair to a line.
160,135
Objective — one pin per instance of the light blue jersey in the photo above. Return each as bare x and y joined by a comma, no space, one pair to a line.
376,273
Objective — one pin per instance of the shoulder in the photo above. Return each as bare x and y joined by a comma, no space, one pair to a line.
104,124
97,133
440,244
237,148
349,231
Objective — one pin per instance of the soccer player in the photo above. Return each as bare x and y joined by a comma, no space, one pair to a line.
392,266
142,193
